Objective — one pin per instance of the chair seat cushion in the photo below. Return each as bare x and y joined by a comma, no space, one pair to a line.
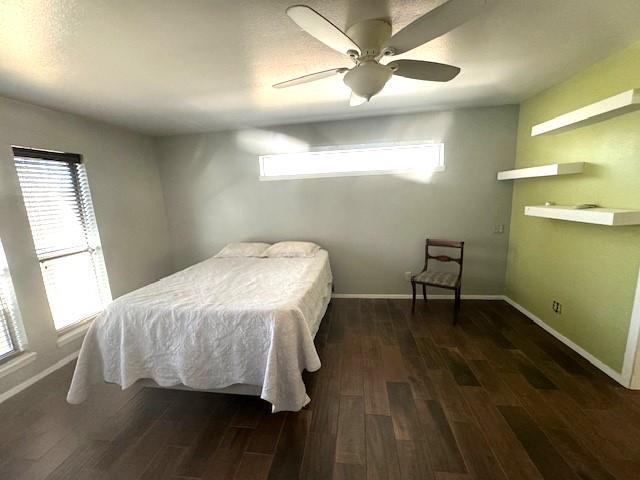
445,279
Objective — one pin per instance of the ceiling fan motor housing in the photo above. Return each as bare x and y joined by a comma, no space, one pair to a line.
370,36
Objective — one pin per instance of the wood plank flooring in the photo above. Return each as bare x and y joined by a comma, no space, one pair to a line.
398,397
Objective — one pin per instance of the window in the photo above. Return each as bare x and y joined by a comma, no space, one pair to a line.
56,194
10,334
354,160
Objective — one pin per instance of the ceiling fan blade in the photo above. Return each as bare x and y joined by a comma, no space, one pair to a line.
421,70
318,26
356,100
310,78
433,24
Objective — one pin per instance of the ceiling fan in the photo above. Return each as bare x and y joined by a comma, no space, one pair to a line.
367,42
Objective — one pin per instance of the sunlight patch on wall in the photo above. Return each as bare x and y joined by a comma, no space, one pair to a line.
262,142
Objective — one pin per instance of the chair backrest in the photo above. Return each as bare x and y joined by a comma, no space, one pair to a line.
431,242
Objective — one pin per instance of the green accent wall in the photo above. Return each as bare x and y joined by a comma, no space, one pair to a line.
592,270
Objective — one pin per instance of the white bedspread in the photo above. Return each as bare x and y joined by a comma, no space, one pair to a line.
220,322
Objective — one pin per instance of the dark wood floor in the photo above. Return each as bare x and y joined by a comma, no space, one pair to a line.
398,397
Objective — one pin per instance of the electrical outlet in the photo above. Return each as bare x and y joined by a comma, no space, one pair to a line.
407,276
498,229
556,307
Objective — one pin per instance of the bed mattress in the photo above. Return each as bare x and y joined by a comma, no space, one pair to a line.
221,322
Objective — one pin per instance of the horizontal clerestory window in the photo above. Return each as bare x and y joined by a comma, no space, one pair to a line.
353,160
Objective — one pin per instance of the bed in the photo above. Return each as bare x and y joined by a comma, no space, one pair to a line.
242,324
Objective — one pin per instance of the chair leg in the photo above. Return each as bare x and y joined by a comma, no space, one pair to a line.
424,292
456,306
413,305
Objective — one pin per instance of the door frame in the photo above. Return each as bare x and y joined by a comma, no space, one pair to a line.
631,365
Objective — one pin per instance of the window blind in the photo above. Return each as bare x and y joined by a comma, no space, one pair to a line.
56,195
7,344
11,340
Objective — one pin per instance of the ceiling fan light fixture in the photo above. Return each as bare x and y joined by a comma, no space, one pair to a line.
367,79
355,100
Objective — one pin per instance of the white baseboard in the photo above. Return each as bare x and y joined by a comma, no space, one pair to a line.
617,376
27,383
404,296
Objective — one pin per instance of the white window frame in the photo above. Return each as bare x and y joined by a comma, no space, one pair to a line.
346,149
9,303
93,244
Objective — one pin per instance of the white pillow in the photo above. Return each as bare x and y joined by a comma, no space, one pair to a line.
243,249
292,249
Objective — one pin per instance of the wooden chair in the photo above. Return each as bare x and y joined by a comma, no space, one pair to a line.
441,279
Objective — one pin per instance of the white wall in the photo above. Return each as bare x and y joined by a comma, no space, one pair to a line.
373,226
129,207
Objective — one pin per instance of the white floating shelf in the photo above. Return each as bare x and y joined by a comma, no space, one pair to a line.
609,107
600,216
543,171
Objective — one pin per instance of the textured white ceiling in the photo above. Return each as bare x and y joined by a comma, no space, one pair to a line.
184,66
